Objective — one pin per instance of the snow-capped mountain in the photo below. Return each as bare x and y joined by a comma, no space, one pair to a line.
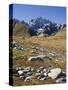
38,23
37,26
44,26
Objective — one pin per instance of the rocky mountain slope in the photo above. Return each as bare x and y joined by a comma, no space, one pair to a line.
36,27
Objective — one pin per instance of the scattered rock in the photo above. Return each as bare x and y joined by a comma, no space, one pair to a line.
20,72
61,80
24,73
17,46
41,73
62,75
45,74
37,74
28,73
29,78
22,77
42,77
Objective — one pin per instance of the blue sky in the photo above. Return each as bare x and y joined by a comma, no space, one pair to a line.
28,12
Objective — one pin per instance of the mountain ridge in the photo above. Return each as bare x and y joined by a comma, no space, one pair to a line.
35,27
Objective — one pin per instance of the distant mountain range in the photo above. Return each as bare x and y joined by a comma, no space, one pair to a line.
38,26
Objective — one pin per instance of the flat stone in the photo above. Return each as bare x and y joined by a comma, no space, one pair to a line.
39,57
54,73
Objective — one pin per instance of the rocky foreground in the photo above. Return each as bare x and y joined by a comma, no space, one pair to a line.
37,65
29,73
